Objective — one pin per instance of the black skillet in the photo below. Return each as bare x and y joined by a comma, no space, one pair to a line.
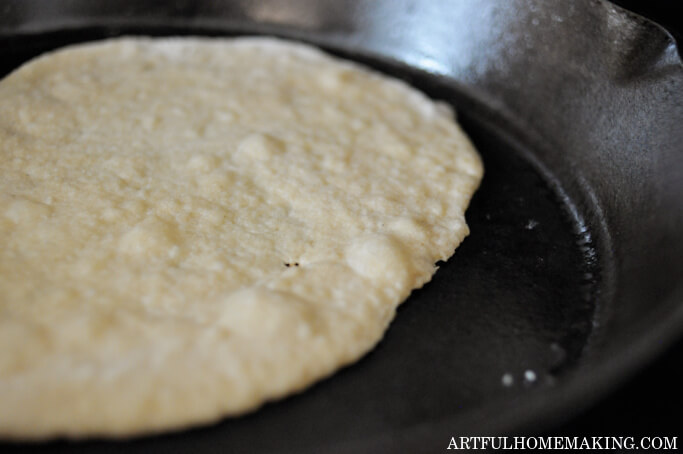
572,276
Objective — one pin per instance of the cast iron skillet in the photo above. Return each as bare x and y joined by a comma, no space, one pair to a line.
571,278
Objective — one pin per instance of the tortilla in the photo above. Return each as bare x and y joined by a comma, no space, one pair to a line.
192,227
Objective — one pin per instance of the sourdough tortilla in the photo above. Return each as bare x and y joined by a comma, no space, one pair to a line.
191,227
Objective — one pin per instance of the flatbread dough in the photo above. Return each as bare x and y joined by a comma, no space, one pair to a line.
191,227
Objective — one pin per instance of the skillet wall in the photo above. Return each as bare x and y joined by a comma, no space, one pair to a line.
597,93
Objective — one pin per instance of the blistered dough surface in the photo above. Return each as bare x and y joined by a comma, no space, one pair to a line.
191,227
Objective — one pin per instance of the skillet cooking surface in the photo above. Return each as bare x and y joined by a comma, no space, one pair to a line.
524,296
515,297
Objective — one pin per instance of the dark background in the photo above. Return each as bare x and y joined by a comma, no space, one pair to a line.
651,403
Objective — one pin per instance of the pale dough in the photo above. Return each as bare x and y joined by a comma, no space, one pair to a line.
191,227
